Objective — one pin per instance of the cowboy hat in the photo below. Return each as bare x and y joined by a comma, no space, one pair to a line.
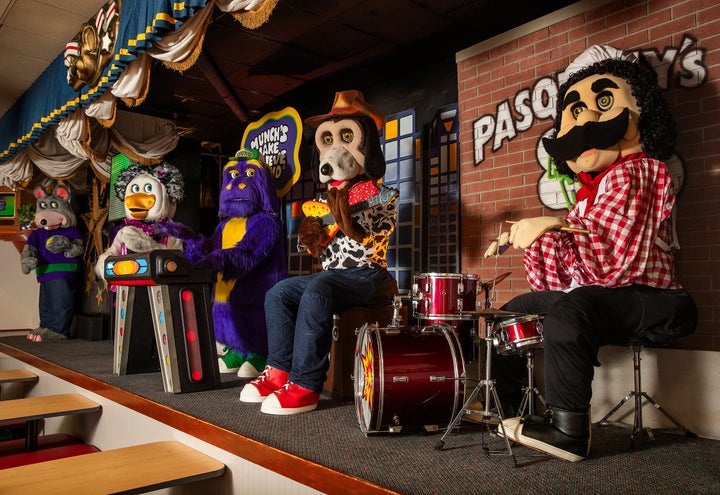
349,104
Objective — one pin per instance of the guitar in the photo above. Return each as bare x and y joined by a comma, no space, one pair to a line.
322,212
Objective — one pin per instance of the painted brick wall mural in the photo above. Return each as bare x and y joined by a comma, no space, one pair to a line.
507,88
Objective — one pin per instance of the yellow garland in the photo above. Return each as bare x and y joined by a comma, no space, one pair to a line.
253,19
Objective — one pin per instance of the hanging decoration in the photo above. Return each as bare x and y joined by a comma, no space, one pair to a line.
68,117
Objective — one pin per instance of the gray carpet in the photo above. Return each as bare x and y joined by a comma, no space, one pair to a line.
408,462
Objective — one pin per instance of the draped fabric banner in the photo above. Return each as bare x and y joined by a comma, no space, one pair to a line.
79,88
51,98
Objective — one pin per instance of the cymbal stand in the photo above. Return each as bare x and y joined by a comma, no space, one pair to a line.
528,400
491,396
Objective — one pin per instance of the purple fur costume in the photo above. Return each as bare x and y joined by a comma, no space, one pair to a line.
247,250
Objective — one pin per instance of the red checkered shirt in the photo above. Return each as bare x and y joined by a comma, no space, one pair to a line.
629,214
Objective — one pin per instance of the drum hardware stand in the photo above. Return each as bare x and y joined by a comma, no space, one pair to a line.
530,391
491,396
396,320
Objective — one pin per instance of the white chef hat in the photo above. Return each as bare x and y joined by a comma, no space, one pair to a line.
594,54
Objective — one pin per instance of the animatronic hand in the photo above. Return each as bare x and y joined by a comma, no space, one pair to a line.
61,244
28,259
498,246
311,234
526,231
136,240
340,209
171,228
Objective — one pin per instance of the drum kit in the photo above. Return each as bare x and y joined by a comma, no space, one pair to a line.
415,376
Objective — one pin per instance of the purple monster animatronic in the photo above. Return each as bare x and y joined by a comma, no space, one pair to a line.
248,251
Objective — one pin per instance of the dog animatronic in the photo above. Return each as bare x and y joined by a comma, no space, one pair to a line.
614,278
299,310
247,250
53,250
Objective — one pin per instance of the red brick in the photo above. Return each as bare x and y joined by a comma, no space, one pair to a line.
708,11
552,42
610,36
668,29
635,15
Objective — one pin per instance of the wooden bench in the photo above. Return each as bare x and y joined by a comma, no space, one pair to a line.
17,446
35,409
45,454
21,376
17,376
135,469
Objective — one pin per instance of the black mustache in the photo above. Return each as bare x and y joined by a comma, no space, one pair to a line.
599,135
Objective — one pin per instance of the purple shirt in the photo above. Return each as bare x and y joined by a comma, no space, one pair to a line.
53,266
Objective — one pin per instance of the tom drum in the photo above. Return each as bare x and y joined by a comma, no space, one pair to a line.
443,295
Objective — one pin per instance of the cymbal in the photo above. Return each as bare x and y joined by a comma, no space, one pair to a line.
490,312
496,280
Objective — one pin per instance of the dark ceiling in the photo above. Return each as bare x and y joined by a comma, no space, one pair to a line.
311,48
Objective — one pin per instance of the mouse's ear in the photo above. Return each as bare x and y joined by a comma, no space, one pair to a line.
62,191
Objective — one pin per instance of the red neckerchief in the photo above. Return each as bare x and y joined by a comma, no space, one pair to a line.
590,184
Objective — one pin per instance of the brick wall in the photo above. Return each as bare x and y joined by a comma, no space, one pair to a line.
506,100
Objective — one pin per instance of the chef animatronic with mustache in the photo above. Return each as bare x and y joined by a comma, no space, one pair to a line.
617,281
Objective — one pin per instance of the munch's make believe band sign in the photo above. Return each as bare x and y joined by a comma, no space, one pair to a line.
277,137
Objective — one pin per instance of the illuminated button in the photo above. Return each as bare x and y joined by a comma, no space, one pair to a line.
125,267
171,265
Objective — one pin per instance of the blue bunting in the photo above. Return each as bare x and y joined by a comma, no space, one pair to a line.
50,98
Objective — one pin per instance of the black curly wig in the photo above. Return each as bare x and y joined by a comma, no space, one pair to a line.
656,124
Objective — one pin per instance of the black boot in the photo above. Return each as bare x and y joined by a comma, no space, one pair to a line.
563,434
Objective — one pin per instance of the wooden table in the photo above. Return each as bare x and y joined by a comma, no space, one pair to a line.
34,409
135,469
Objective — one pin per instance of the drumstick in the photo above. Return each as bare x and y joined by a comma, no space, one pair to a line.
565,229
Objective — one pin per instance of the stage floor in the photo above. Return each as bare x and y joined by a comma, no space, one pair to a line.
406,462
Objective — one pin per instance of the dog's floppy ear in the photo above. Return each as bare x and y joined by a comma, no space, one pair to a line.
374,158
315,164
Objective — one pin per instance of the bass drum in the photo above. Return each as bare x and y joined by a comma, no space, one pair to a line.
407,378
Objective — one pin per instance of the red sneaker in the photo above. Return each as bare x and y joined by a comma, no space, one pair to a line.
290,399
269,381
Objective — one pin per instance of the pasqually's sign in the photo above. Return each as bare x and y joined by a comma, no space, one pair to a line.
684,64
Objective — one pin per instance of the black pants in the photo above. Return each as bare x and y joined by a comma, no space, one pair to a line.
577,323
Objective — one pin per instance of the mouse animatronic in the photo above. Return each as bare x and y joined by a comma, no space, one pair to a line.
53,250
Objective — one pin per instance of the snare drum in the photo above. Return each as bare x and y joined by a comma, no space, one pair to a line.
407,377
444,295
515,335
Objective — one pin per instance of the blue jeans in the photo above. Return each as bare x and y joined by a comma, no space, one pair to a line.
299,314
57,305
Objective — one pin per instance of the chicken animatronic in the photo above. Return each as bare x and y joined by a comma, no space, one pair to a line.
150,194
247,250
53,250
